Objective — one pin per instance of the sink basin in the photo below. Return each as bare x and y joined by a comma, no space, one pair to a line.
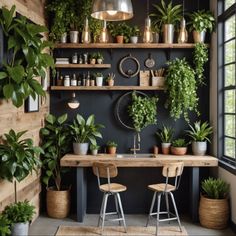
134,155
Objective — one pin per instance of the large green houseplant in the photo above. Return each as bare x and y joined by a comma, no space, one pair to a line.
214,205
165,17
26,60
200,22
84,131
181,88
19,215
55,143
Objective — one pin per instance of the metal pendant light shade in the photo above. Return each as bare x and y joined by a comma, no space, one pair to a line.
112,10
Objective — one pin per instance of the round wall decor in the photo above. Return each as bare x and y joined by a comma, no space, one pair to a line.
129,73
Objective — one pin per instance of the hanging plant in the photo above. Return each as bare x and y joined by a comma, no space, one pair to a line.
143,111
25,60
200,57
181,89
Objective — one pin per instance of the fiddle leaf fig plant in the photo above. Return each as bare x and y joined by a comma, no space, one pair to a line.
181,88
26,58
142,111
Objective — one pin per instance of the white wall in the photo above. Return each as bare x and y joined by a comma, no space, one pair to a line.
222,173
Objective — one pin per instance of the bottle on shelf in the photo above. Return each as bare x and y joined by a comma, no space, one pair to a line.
73,81
67,81
75,58
88,79
80,59
84,80
60,81
79,83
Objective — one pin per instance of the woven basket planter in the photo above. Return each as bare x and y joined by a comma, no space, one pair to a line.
214,213
58,203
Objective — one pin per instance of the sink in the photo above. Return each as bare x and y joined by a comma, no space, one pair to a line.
130,155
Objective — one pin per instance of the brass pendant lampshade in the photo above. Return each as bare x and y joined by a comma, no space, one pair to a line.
112,10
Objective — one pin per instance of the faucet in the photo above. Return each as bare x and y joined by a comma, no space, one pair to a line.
136,141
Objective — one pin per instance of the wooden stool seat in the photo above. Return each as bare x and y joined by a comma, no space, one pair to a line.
161,187
112,188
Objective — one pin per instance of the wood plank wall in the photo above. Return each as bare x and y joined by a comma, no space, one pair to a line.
17,119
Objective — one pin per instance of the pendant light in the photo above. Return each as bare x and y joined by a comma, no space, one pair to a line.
183,33
112,10
104,38
147,34
86,36
73,103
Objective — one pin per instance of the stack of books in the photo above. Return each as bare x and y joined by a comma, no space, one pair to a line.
62,60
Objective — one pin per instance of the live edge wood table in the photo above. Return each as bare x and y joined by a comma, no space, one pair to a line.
81,162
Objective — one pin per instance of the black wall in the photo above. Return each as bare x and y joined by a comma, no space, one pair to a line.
102,104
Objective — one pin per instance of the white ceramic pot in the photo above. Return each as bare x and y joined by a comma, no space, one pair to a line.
64,38
94,152
20,229
165,147
74,36
99,81
80,148
199,148
99,61
134,39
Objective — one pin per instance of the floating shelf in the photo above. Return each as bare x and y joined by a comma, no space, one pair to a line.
125,45
106,88
101,66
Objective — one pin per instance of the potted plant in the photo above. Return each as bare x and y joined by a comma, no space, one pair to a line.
99,79
93,58
19,214
4,226
214,205
167,15
111,147
99,58
166,136
156,32
55,143
179,147
84,131
22,66
94,149
200,22
181,88
120,31
111,79
199,133
134,33
200,57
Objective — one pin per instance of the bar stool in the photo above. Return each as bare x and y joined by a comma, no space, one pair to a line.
174,171
107,171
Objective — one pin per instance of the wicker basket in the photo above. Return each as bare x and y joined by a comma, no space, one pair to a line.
58,203
214,213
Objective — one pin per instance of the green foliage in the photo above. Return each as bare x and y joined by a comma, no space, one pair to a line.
179,143
142,111
166,14
4,226
111,144
18,157
55,143
85,130
26,61
181,88
98,74
215,188
94,147
20,212
200,57
166,134
134,31
199,132
202,20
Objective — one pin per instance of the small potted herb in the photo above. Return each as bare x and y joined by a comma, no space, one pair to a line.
94,149
179,147
166,136
200,22
214,204
99,58
99,79
93,58
19,214
120,31
199,133
111,79
134,33
111,147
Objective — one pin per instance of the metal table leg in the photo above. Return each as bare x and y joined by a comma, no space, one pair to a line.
194,193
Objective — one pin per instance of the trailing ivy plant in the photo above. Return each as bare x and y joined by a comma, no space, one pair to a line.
181,89
143,111
26,59
200,57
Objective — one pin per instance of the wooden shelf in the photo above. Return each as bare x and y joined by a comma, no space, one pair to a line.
124,45
106,88
101,66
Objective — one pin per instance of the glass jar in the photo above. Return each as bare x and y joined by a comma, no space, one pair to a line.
73,81
75,58
67,81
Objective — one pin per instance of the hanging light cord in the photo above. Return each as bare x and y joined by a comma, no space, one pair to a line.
147,8
183,8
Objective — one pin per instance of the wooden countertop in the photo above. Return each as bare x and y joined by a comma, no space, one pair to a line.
72,160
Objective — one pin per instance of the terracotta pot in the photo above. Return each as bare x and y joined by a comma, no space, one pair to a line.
111,150
178,150
58,203
214,213
93,61
120,39
111,82
165,148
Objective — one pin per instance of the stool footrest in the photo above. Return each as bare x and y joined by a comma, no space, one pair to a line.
162,212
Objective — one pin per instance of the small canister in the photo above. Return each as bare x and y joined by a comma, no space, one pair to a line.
75,58
73,81
67,81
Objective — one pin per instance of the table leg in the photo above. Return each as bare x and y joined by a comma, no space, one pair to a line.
194,193
81,198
